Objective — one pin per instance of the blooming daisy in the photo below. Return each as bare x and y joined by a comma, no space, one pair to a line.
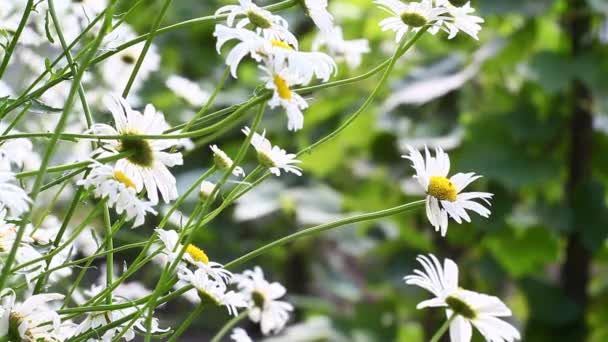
187,90
211,290
31,320
317,10
262,296
445,196
240,335
12,196
273,157
461,19
119,190
470,308
224,162
280,82
194,255
411,16
348,50
271,26
147,165
304,65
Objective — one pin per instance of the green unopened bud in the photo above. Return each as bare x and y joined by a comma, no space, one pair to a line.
458,3
258,20
413,19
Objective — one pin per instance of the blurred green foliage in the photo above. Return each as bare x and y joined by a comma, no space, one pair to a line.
518,119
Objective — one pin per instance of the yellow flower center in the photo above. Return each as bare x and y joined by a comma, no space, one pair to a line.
442,189
124,179
282,87
281,44
197,254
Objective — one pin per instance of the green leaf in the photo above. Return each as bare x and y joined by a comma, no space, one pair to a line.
523,252
591,214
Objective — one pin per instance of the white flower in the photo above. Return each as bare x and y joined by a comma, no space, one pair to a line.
17,152
12,196
280,82
25,252
212,290
410,16
188,90
120,191
317,10
445,196
147,166
264,308
193,255
273,157
480,310
271,26
117,69
462,19
303,65
348,50
240,335
224,162
33,319
102,318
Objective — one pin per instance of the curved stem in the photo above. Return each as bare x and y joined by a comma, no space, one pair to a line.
324,227
193,315
443,328
229,325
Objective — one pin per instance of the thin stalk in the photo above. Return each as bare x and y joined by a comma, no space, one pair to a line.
443,329
109,246
11,47
182,328
229,325
325,227
147,45
66,167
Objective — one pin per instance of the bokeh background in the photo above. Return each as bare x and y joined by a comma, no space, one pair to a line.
525,106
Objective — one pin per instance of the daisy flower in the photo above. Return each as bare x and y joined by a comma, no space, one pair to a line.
147,166
280,82
269,25
194,255
411,16
471,308
445,196
187,90
273,157
240,335
17,152
211,290
99,319
224,162
262,296
317,10
350,51
249,44
31,320
12,196
119,190
25,252
461,19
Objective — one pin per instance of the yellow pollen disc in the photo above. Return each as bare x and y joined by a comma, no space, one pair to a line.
121,177
197,254
442,189
282,87
281,44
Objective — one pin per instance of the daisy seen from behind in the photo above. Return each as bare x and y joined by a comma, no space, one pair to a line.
470,308
273,157
263,299
31,320
224,162
147,165
211,290
461,19
410,16
445,196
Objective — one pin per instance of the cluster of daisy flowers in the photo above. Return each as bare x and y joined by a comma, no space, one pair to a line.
129,167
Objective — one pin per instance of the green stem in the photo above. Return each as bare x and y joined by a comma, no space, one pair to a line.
193,315
66,167
109,246
443,329
324,227
229,325
147,45
11,47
